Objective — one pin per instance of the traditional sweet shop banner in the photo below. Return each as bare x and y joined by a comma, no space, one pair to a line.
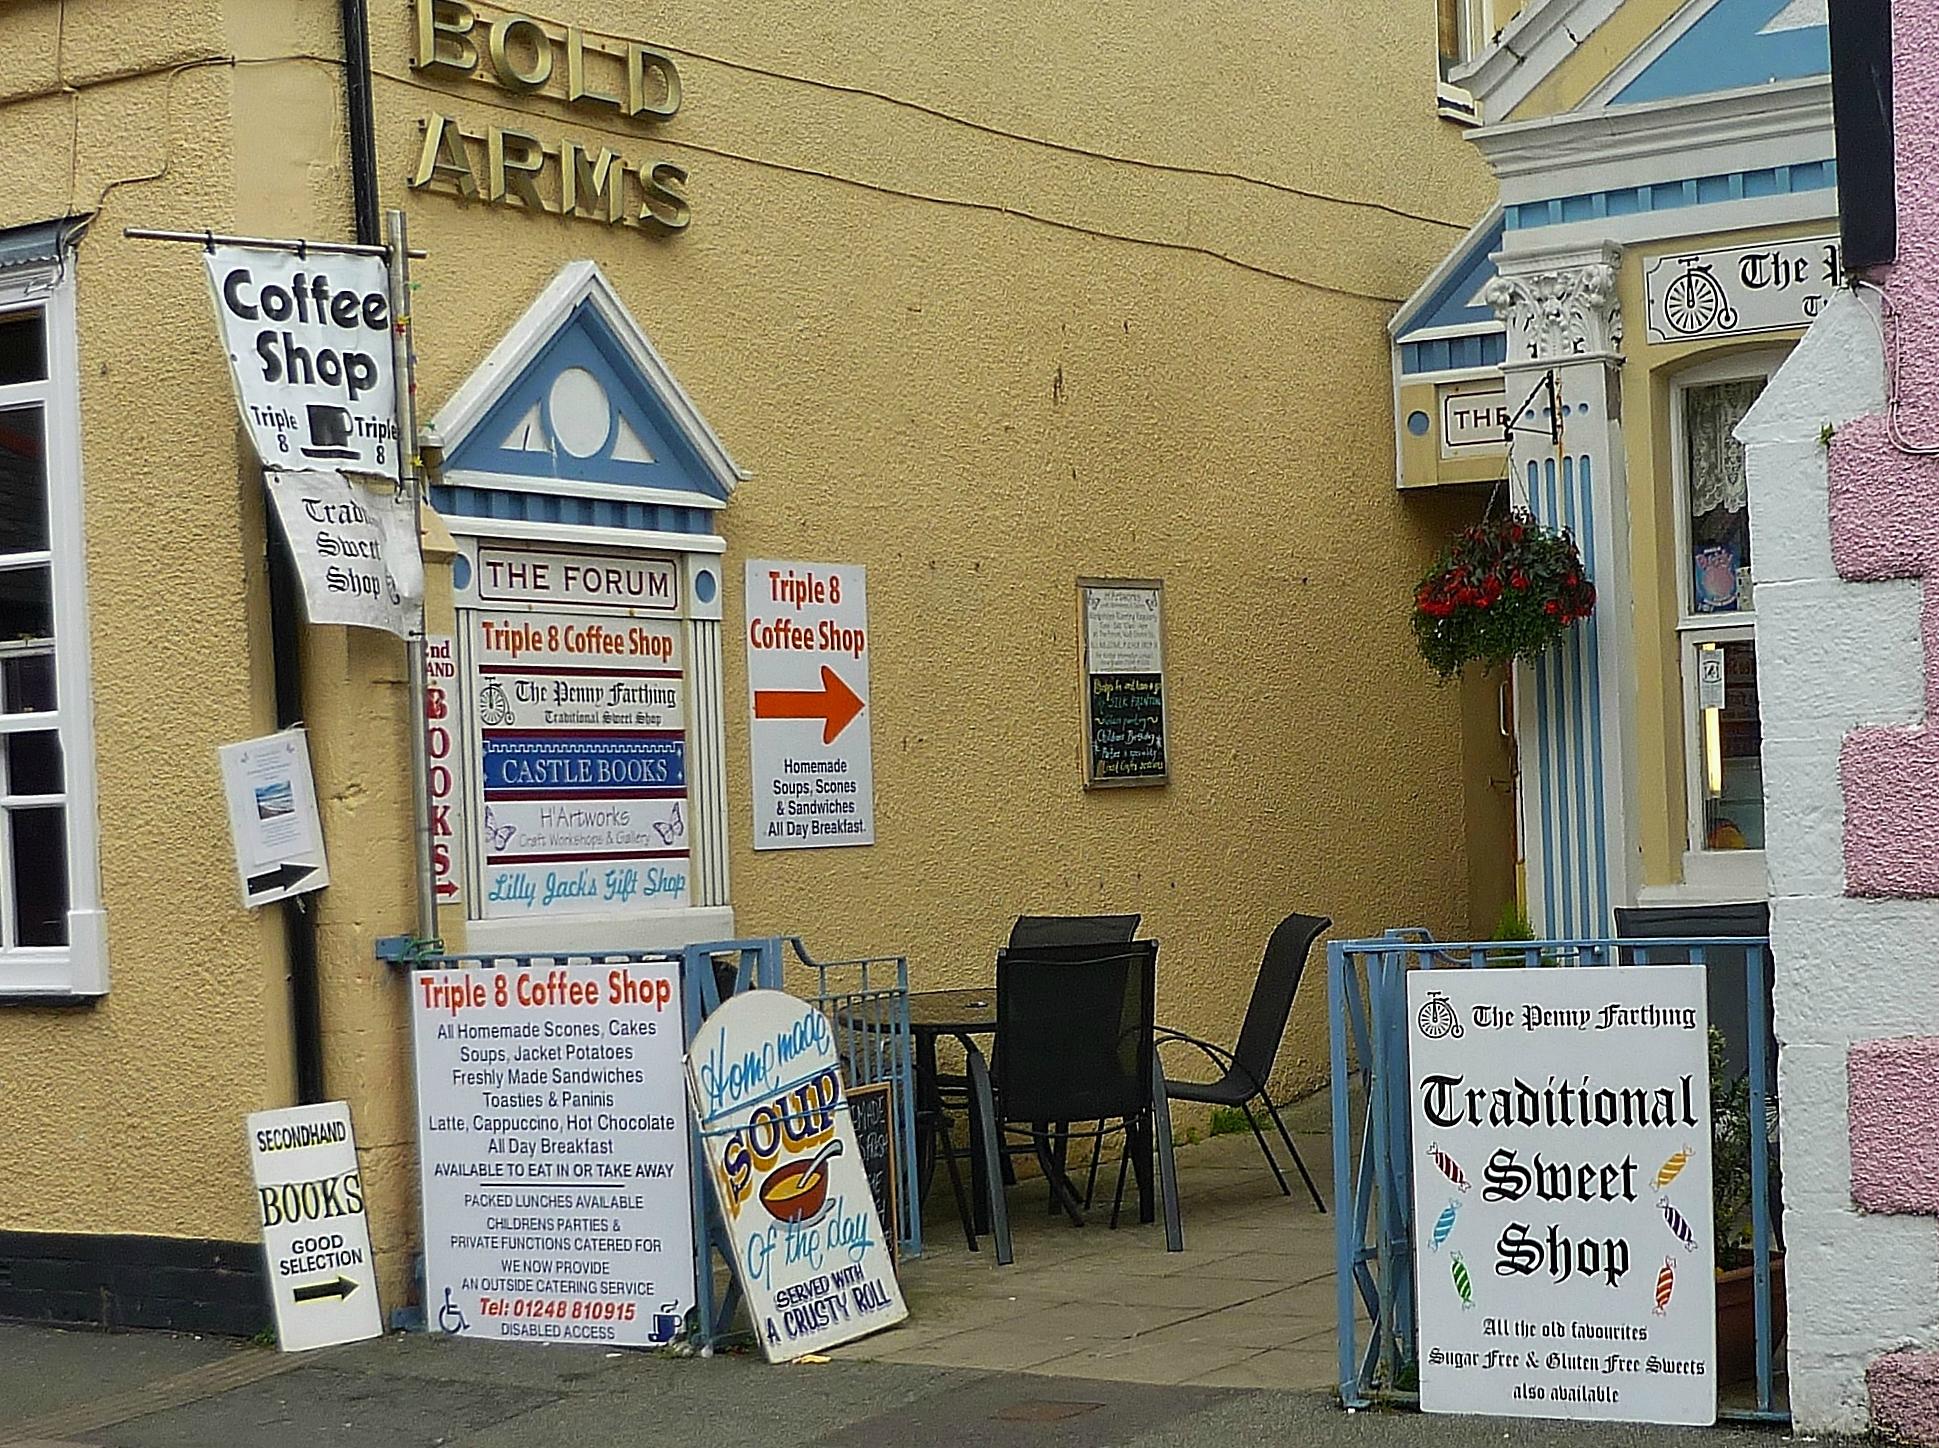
1562,1193
788,1172
355,547
309,343
554,1152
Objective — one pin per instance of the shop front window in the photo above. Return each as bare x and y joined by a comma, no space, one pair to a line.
50,941
1723,742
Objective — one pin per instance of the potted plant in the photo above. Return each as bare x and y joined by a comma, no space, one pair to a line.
1506,588
1730,1141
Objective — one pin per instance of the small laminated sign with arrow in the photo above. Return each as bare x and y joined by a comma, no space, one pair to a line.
273,817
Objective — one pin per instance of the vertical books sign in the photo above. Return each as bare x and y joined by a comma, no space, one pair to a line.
1562,1210
1124,682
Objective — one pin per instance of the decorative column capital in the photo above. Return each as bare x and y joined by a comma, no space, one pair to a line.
1558,306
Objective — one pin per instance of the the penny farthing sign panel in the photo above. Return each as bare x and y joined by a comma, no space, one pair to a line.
1562,1208
582,737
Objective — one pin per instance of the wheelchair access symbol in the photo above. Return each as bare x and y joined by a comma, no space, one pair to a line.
1438,1019
451,1317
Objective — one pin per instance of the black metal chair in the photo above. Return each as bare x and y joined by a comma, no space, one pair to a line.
1075,1041
1035,930
1245,1071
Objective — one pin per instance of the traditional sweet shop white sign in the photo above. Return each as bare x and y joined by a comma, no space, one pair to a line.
788,1173
554,1152
1733,290
1562,1211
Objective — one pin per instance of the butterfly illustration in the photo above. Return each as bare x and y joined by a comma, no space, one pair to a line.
497,836
672,829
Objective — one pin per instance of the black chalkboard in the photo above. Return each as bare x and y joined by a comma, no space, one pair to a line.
1127,724
871,1110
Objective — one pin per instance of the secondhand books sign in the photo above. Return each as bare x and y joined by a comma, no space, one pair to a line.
1562,1193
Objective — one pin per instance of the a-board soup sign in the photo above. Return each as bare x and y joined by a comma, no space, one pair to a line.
1562,1192
787,1170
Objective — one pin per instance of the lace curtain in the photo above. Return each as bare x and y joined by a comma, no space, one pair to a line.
1716,459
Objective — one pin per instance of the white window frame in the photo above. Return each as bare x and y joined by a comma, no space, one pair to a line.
1712,875
80,968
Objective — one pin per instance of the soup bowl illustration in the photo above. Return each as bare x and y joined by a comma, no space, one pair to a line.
797,1192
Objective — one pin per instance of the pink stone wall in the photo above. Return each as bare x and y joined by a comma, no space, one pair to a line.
1884,515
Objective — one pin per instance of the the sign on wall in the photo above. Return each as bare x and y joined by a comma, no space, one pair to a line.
1124,682
581,725
1731,291
1473,421
441,742
1564,1260
356,549
808,681
309,341
808,1246
273,817
554,1153
587,578
316,1231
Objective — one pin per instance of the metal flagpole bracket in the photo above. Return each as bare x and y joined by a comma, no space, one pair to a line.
1553,429
210,240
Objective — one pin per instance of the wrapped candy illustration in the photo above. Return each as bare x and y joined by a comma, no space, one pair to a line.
1678,1224
1463,1284
1671,1169
1665,1285
1444,1224
1450,1168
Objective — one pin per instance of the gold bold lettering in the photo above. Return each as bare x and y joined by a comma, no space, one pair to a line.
504,33
665,204
577,89
662,98
513,160
443,37
444,155
586,181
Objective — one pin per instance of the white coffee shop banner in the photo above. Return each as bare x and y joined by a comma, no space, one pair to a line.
1562,1193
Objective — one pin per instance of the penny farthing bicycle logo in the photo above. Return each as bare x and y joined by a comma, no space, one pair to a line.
1694,302
1437,1018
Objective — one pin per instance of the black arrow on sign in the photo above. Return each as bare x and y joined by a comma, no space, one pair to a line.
280,878
338,1287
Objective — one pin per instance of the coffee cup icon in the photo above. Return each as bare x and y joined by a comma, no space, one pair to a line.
329,432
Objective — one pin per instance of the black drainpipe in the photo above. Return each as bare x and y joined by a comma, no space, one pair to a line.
285,603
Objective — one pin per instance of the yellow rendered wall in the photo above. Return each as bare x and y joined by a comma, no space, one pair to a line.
125,1116
1648,373
980,365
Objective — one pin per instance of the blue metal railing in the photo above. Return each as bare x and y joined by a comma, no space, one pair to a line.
1372,1181
866,1001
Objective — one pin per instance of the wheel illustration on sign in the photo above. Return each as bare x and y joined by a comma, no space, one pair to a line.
451,1317
494,709
1694,302
1438,1019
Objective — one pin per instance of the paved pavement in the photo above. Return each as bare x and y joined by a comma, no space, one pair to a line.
145,1391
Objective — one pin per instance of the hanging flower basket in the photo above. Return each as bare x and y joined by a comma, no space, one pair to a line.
1505,588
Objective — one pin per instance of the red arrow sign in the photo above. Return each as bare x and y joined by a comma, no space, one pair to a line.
834,703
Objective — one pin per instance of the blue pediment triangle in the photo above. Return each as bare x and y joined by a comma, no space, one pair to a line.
581,410
1738,43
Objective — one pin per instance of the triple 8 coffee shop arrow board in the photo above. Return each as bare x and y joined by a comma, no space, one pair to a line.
808,675
316,1235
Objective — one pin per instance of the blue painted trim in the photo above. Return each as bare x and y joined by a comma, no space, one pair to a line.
1448,305
1726,50
569,508
1444,354
1603,919
1672,195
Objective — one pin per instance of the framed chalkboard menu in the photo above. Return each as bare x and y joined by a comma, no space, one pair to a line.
1121,622
871,1110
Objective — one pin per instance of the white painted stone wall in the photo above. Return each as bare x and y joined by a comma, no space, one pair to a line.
1832,655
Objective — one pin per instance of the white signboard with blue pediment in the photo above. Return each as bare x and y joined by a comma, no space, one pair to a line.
583,488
